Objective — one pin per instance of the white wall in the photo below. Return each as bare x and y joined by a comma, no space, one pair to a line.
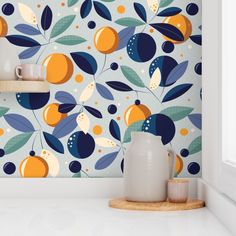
211,82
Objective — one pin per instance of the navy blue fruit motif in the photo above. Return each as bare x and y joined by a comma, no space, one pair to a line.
8,9
168,47
112,109
75,167
192,9
198,68
160,125
2,152
165,64
141,47
81,145
33,101
9,168
193,168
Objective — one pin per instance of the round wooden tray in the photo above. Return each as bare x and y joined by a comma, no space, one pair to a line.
155,206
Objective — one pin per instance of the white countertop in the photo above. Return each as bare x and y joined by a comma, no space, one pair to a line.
92,217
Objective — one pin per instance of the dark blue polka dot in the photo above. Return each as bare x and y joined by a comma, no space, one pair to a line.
75,167
2,152
112,109
198,68
184,152
9,168
114,66
8,9
91,24
193,168
168,47
32,153
192,9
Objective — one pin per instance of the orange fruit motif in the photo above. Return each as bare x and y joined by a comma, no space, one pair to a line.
3,27
33,167
52,116
106,40
136,112
179,165
182,23
59,68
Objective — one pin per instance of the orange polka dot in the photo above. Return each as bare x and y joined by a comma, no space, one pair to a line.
38,6
97,129
89,47
77,26
62,4
99,150
118,117
1,132
184,132
121,9
79,78
151,30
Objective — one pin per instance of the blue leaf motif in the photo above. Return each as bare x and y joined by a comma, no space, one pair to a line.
19,122
46,19
86,8
125,35
94,112
66,108
169,31
196,120
85,62
29,52
104,92
102,10
115,130
65,97
53,142
176,92
66,126
196,39
171,11
27,29
140,10
106,161
177,73
119,86
23,41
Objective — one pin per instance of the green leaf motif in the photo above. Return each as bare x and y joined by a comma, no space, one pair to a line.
165,3
129,22
70,40
132,76
62,25
71,3
77,175
195,146
17,142
177,113
135,127
3,111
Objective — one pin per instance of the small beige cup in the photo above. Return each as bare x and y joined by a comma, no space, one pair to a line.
178,190
32,72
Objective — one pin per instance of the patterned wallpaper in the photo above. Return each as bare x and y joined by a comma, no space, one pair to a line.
111,64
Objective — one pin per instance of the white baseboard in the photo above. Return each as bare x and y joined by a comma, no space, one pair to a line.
220,205
69,188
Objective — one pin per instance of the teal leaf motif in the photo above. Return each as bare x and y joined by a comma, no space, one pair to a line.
17,142
129,22
135,127
71,3
195,146
3,111
77,175
132,76
70,40
165,3
62,25
177,113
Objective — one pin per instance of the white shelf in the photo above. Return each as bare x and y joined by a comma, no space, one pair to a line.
19,86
